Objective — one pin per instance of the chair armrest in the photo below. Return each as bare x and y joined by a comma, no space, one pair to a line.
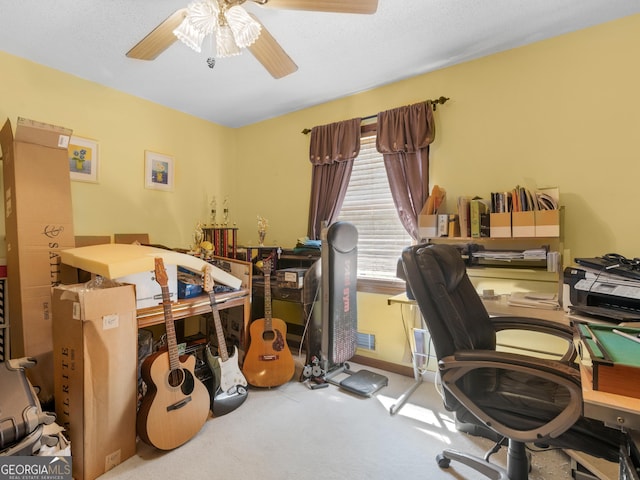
532,323
509,361
540,325
455,367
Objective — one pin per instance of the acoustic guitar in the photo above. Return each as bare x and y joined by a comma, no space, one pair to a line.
229,386
176,404
268,361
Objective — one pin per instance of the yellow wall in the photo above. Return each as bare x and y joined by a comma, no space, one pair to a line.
562,112
124,127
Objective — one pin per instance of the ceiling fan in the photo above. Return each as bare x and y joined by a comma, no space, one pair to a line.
234,29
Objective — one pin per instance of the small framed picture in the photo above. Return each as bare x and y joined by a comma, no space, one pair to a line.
158,171
83,159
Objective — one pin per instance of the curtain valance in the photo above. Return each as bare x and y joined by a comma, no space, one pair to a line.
406,129
335,142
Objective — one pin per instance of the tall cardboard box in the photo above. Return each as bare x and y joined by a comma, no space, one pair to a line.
39,224
95,366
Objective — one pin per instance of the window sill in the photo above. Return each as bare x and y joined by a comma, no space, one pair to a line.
385,287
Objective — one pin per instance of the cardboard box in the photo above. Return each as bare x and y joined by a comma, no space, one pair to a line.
500,225
547,223
148,291
39,225
427,226
290,277
95,367
523,224
429,223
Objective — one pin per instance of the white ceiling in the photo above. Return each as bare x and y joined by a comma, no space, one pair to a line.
337,54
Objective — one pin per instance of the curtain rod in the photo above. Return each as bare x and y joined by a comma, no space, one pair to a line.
434,102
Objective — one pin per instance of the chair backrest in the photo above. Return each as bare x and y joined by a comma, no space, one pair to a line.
451,307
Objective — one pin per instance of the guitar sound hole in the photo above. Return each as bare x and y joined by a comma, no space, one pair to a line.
268,335
176,377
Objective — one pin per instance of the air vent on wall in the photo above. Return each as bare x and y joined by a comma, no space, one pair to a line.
366,341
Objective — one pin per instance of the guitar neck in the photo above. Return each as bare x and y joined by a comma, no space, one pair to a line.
172,344
268,323
222,343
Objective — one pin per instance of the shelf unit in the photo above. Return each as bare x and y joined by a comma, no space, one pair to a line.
504,276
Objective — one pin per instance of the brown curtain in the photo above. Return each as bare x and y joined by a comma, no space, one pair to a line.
332,150
403,139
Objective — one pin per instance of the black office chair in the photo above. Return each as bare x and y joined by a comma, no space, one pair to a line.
522,398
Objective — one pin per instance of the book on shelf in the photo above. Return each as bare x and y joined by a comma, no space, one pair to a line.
478,208
464,216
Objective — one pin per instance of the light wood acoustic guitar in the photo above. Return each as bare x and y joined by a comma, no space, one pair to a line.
229,385
268,361
176,404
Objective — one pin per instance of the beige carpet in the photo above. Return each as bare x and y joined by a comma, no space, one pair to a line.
293,432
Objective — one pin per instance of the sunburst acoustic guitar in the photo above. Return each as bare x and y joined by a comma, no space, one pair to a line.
268,361
229,386
176,404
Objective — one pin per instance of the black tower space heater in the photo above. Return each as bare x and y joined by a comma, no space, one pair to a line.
332,332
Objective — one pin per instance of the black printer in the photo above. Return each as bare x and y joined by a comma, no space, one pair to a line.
600,293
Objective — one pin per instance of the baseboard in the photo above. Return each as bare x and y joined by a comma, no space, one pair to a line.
383,365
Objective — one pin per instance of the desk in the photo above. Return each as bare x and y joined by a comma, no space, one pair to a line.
617,411
613,407
614,410
500,306
199,305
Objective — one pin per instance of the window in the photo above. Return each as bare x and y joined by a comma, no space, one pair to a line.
369,206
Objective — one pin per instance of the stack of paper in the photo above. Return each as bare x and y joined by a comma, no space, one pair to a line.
535,254
548,301
499,255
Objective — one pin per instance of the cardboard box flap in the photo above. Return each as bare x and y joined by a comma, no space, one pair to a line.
116,260
30,131
6,141
92,302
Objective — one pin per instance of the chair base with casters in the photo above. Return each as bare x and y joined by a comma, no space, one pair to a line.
518,462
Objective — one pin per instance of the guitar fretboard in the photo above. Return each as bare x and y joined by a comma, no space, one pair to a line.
172,343
268,323
222,345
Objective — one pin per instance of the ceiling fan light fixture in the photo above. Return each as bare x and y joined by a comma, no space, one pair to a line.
246,30
203,16
225,42
189,35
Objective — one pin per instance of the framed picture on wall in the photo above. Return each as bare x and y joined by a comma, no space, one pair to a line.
158,171
83,159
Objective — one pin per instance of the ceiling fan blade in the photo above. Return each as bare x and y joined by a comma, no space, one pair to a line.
270,54
337,6
159,39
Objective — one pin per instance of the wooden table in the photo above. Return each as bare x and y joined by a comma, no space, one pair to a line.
199,305
614,410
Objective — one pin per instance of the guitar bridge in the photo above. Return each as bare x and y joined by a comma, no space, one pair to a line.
179,404
269,358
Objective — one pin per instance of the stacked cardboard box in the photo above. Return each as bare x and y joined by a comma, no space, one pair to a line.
95,364
39,224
